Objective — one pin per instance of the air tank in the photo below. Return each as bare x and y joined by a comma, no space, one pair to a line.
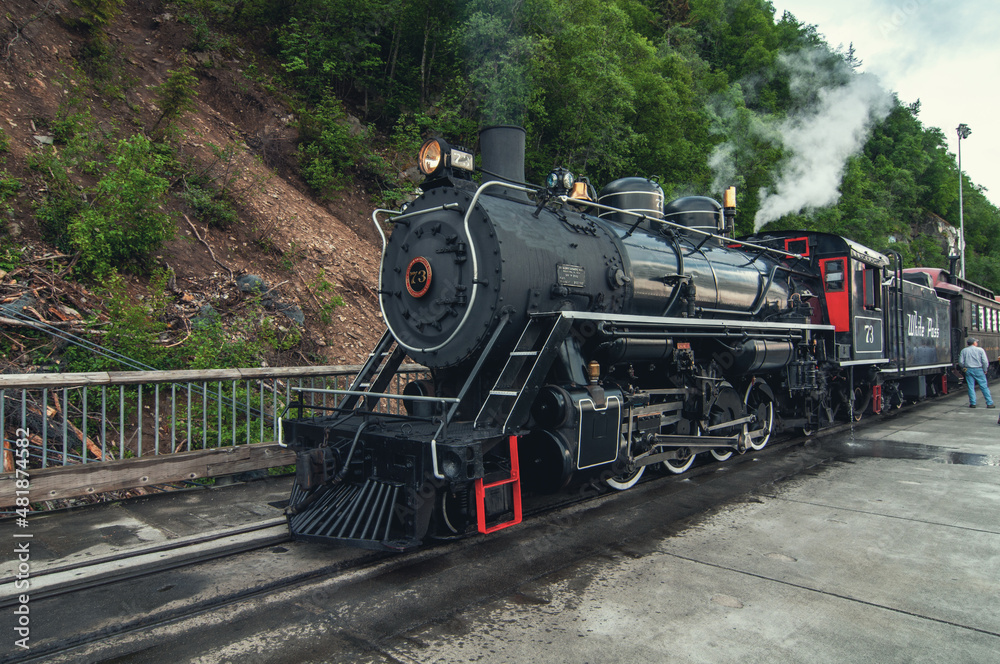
696,212
638,195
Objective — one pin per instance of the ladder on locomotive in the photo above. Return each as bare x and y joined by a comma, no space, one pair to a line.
508,402
382,364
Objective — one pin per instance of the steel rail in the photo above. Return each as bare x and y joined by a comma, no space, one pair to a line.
114,576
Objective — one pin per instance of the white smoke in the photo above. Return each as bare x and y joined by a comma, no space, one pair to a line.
745,129
822,136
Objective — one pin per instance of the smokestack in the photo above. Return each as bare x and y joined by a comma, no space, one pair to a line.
502,148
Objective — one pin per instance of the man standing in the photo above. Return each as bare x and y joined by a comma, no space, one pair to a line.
975,363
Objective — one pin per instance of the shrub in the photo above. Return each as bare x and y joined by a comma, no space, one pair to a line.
135,326
239,344
124,224
97,14
176,95
328,150
325,290
11,256
203,38
212,207
9,186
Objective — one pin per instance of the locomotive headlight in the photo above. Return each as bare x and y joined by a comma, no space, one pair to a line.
432,156
451,465
560,181
436,155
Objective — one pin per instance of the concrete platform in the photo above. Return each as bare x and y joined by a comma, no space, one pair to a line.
882,545
890,555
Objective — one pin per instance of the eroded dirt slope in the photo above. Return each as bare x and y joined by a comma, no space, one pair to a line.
284,234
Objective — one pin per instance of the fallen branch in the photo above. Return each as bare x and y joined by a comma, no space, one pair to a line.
274,287
178,343
52,411
18,29
47,258
308,290
75,324
198,235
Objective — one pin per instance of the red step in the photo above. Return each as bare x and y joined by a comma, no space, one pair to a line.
515,479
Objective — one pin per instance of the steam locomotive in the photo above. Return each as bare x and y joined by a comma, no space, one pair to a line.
572,336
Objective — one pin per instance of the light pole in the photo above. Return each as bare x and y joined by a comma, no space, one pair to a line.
963,132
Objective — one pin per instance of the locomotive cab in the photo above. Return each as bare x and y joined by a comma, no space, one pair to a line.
851,292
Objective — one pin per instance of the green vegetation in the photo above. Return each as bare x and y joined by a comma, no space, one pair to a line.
9,186
212,207
124,222
213,191
328,150
701,94
175,96
698,93
117,222
100,58
134,331
138,328
97,14
325,292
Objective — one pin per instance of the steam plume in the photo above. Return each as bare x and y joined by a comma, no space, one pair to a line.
821,138
836,111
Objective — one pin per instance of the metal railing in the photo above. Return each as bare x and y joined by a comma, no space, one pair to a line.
72,419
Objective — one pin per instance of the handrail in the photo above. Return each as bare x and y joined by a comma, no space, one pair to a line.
399,216
584,203
98,378
385,395
91,418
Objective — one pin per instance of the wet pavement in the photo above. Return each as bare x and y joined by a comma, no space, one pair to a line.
888,554
877,544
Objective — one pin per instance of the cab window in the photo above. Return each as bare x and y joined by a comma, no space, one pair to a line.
835,276
873,290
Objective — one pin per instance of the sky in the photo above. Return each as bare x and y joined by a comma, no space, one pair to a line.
944,53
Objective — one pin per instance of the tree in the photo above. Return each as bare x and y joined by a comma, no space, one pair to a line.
175,96
97,14
499,57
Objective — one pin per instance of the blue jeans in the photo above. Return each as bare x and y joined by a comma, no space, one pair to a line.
973,376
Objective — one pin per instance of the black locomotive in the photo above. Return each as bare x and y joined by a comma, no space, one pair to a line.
571,336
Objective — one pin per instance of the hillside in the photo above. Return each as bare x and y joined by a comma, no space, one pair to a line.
238,136
191,145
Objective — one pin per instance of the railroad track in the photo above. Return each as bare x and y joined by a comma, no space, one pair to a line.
75,577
